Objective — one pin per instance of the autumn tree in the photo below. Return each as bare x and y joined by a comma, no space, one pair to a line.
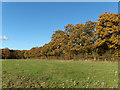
26,54
6,53
90,40
59,40
107,32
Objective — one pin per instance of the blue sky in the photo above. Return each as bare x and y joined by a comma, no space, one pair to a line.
30,24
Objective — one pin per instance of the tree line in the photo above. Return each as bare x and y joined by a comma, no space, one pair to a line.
92,40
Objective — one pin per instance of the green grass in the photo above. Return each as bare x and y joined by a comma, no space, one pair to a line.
59,74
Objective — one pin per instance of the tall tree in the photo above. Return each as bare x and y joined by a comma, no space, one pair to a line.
107,32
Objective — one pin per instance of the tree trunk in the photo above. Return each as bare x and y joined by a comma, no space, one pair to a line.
94,55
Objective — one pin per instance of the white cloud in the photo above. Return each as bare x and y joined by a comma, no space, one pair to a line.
3,38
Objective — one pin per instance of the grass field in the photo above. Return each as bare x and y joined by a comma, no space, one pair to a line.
58,73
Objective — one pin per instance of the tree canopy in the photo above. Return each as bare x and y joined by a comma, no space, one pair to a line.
90,41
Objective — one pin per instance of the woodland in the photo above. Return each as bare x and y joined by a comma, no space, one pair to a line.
90,41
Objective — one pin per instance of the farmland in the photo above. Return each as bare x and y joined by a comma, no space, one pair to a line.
59,74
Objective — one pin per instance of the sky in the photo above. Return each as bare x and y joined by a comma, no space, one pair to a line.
60,0
31,24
